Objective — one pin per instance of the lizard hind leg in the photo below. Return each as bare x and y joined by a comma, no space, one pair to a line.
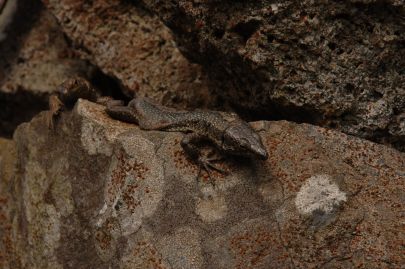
190,144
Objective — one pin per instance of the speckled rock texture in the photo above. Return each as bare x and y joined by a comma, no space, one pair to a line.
332,63
8,212
99,193
34,59
133,46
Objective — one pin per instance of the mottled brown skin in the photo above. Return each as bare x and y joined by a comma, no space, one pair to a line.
230,134
226,131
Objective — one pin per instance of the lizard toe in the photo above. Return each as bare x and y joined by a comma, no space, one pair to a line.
208,165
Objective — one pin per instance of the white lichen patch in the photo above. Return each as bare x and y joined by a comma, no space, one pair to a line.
212,208
319,192
134,184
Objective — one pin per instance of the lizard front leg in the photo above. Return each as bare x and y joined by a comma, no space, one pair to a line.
190,144
55,107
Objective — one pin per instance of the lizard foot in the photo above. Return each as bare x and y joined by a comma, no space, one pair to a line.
207,164
55,107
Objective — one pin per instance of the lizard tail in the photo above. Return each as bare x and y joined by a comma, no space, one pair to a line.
152,116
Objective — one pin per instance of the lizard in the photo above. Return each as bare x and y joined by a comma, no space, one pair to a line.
225,130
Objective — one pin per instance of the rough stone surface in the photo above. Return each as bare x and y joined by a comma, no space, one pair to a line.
8,160
334,63
99,193
34,59
131,45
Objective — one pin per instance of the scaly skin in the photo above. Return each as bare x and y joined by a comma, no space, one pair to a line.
230,134
226,131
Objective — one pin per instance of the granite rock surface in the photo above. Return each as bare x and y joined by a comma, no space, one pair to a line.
99,193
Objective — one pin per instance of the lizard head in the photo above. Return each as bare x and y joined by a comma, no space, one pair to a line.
74,88
241,139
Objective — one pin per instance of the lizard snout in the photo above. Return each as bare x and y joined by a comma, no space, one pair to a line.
261,152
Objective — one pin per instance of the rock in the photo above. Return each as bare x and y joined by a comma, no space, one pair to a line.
99,193
8,161
7,10
132,46
332,63
35,59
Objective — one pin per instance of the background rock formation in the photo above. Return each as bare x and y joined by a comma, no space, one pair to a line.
131,45
334,63
34,58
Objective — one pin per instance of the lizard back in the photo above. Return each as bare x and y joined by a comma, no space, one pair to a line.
152,116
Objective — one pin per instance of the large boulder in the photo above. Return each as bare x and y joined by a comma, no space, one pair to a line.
333,63
99,193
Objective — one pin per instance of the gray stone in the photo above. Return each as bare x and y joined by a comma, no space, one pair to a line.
99,193
338,64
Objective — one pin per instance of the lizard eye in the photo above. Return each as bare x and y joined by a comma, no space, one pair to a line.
244,143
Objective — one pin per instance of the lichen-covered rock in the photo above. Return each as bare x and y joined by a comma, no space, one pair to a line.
133,46
35,59
8,210
333,63
99,193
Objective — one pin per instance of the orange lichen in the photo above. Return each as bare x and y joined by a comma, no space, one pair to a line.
126,179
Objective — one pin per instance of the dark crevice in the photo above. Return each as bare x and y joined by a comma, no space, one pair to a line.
332,45
17,108
384,137
375,95
109,86
378,8
350,89
246,29
270,38
280,112
218,33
